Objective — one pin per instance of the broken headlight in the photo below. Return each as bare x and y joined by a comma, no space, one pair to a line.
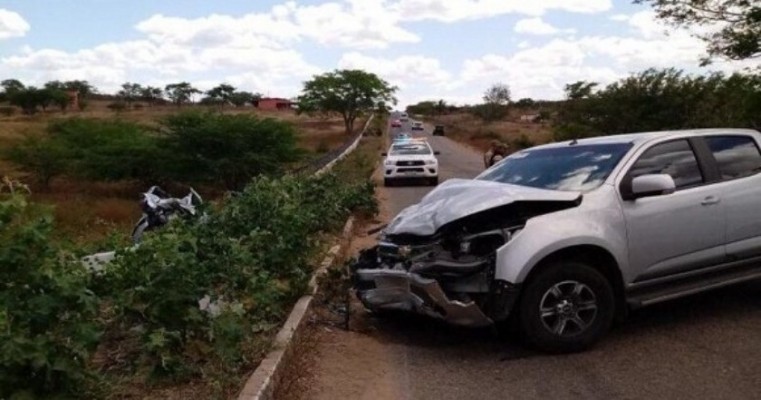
485,243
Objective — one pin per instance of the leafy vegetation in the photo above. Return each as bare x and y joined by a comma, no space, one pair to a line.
660,100
195,295
47,327
191,147
736,24
231,149
350,93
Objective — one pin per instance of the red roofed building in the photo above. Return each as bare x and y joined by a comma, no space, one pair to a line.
274,103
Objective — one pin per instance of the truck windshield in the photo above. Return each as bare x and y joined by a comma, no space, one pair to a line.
409,149
578,168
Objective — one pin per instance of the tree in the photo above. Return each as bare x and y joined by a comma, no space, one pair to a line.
525,103
221,94
579,89
351,93
498,94
54,93
738,24
241,98
83,89
151,94
130,92
180,93
441,107
28,99
230,149
10,86
659,100
427,107
496,98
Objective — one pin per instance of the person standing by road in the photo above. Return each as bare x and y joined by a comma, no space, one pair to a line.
490,153
498,151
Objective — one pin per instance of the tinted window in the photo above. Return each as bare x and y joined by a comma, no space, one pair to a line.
737,156
570,168
675,158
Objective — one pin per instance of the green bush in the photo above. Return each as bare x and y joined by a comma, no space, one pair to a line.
107,149
660,100
46,159
253,254
213,147
46,322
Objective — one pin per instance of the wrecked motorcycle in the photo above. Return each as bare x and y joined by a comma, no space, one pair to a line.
159,208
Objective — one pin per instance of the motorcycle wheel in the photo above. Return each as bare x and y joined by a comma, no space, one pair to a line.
140,228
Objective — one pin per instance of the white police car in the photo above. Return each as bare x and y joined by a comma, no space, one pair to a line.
409,159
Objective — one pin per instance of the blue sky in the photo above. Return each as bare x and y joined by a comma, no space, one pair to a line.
431,49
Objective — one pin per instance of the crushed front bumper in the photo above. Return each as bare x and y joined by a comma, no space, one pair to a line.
391,289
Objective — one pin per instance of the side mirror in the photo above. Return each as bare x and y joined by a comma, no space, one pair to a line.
436,153
384,154
652,185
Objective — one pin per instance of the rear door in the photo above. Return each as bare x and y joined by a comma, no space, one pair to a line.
739,162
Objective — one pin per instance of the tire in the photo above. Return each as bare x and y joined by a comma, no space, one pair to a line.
433,181
140,228
588,314
388,182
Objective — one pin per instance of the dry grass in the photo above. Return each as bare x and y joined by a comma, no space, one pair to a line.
472,131
87,211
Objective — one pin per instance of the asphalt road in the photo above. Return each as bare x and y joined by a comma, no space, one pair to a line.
455,161
706,347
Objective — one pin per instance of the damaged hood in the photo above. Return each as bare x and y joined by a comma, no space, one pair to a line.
458,198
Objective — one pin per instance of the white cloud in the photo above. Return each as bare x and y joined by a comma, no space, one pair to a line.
358,24
536,26
12,24
619,17
542,71
402,71
456,10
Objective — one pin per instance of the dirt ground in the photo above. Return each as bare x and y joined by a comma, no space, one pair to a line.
88,211
346,353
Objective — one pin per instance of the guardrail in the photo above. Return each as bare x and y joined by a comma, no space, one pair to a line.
326,161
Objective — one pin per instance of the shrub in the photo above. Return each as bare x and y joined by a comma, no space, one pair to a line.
251,258
213,147
489,112
107,149
46,159
46,328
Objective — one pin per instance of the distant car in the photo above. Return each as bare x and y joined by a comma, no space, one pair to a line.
410,159
438,130
404,117
402,136
396,123
417,126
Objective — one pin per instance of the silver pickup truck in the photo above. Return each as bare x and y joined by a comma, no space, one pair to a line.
565,238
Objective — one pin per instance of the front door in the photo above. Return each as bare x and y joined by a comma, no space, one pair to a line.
677,232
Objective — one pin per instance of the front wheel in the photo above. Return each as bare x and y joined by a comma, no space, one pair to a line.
140,228
567,307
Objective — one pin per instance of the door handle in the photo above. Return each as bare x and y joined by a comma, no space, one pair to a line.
710,200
